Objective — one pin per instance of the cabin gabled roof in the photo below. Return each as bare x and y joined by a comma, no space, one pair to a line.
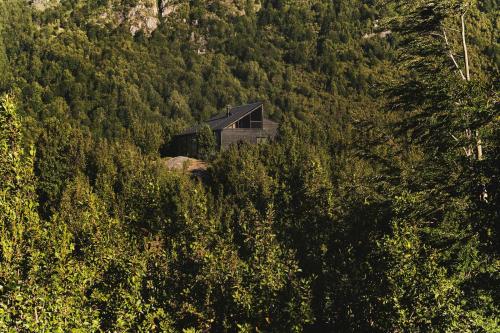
222,121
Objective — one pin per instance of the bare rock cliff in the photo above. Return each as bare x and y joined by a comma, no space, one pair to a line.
43,4
145,15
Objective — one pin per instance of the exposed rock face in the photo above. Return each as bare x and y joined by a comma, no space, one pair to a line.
168,7
144,17
233,7
141,17
186,164
236,7
382,34
43,4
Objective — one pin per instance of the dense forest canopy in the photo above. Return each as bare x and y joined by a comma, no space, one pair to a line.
376,209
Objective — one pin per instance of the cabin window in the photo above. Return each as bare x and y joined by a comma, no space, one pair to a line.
253,120
256,120
256,115
244,122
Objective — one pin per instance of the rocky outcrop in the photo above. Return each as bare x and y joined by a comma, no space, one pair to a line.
185,164
44,4
168,7
145,15
236,7
233,7
141,17
378,33
381,34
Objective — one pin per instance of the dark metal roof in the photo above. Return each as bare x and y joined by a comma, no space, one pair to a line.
223,120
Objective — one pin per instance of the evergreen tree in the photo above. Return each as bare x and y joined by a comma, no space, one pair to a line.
18,200
372,211
205,141
438,258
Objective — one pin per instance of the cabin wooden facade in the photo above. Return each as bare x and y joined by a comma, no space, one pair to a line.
246,123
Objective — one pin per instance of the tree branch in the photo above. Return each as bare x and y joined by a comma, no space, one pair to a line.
451,55
456,139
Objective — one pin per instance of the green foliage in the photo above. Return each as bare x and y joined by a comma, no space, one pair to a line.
443,249
17,197
422,295
60,154
373,210
205,141
18,201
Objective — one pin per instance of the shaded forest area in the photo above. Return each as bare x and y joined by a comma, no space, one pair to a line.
376,209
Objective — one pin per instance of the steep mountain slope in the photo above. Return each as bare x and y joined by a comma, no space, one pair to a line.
201,58
375,210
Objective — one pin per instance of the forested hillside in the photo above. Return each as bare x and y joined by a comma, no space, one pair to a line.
375,210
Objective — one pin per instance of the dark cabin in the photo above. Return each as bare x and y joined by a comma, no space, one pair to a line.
245,123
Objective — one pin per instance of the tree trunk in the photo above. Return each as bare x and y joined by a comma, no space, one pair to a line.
466,55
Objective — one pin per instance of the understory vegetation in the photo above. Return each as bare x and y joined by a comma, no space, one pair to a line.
376,209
